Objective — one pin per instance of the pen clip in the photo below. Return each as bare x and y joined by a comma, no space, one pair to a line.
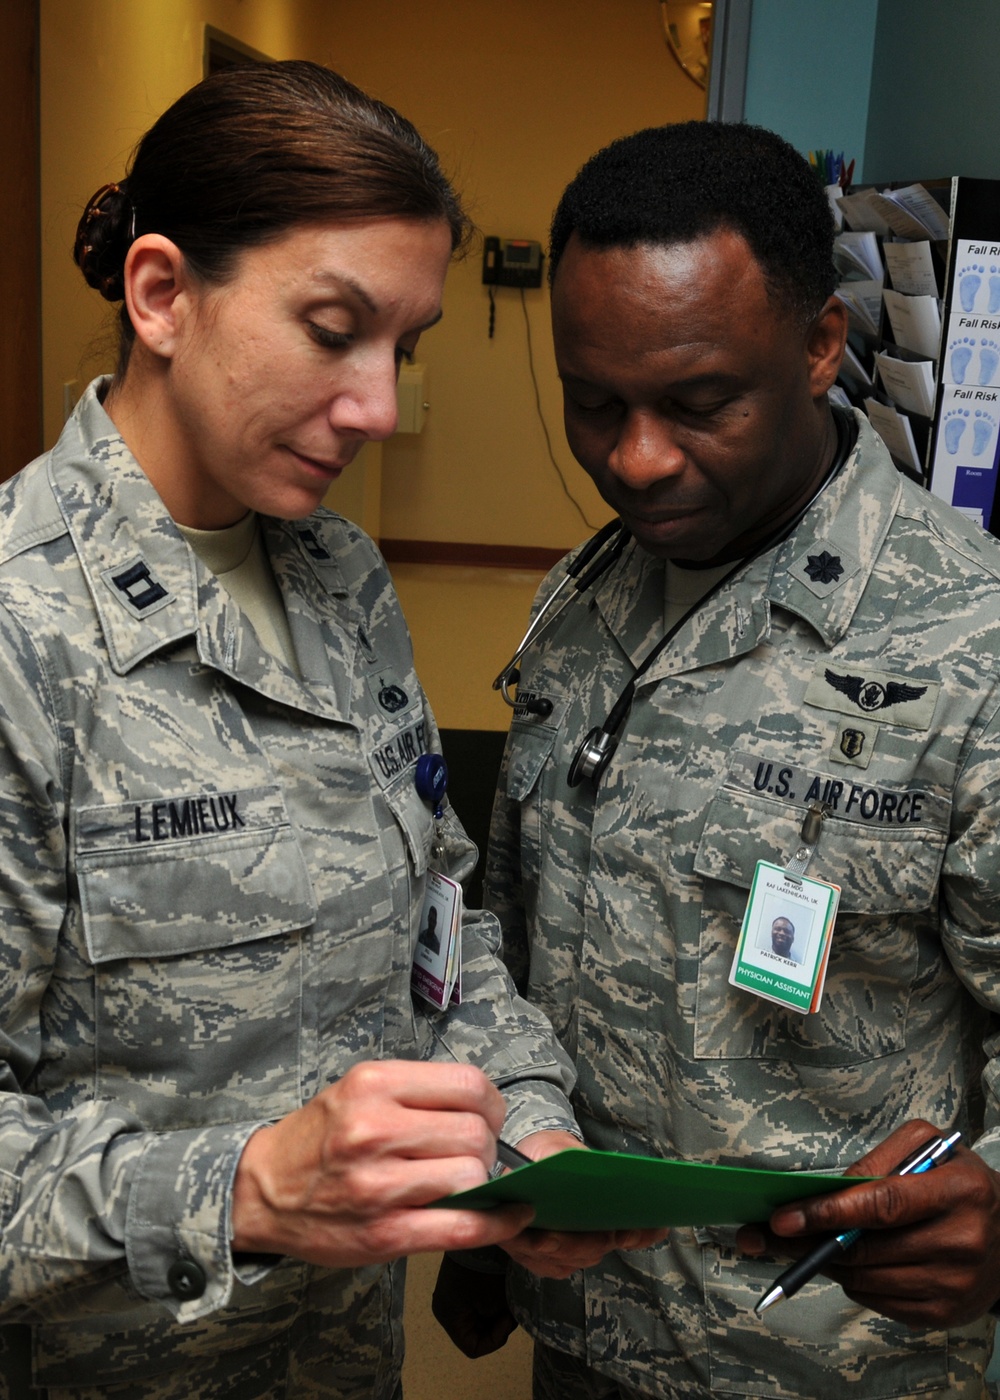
809,834
930,1154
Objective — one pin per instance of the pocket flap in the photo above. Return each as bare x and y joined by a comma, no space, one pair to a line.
529,745
189,872
884,848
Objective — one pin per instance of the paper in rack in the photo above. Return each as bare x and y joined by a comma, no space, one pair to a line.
895,431
857,255
853,371
915,321
909,383
838,398
860,212
863,300
912,212
911,268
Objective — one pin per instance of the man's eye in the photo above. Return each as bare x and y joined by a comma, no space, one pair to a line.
700,410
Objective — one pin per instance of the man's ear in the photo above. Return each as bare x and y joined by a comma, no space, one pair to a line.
825,342
157,292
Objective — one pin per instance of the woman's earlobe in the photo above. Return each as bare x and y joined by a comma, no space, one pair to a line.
156,291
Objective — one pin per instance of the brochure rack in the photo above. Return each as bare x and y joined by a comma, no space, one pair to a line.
921,281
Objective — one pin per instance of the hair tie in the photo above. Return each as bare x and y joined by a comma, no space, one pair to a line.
86,245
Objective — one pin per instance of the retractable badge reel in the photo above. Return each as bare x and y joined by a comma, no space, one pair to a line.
431,781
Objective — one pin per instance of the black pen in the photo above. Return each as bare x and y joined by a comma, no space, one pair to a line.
931,1154
508,1156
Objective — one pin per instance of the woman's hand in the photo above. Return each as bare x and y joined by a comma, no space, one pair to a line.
342,1181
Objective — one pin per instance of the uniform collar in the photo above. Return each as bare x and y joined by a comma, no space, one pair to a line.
148,587
819,574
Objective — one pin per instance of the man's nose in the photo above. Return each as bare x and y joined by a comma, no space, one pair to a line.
646,450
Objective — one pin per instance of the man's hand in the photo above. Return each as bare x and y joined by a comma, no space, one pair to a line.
472,1306
930,1254
341,1182
556,1253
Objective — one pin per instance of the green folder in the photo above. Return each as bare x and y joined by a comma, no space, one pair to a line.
575,1190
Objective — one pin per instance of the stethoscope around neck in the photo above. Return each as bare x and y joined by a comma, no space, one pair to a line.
595,558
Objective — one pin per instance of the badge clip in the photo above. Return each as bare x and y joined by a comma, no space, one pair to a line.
809,834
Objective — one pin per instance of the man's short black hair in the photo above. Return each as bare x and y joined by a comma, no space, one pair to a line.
674,184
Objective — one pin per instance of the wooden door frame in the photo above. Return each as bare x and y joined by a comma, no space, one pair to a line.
20,238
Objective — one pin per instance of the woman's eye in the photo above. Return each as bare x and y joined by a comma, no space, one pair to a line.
331,340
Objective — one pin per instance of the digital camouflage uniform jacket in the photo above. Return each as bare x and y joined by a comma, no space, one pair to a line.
621,912
211,881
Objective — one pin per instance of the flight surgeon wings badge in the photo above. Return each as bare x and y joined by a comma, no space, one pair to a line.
871,695
877,695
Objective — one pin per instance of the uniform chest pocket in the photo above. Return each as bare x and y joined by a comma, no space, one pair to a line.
529,747
189,872
885,937
191,906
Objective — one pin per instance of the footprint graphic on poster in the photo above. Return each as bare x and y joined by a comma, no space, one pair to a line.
961,353
968,285
955,424
989,358
982,431
994,286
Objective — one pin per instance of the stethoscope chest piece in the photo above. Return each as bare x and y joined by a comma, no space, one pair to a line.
592,757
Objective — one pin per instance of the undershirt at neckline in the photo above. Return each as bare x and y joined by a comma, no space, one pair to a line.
237,557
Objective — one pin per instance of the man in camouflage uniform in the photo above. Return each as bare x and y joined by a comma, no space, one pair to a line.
212,880
836,649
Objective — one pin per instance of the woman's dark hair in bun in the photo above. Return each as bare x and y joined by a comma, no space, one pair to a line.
246,155
103,237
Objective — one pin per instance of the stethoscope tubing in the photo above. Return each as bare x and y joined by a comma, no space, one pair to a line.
594,559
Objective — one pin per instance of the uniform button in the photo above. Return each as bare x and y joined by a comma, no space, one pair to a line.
186,1279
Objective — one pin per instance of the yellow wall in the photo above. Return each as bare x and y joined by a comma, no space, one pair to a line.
108,68
514,111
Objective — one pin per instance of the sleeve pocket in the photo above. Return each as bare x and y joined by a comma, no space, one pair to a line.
529,747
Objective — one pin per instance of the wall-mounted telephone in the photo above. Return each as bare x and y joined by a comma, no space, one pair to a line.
512,262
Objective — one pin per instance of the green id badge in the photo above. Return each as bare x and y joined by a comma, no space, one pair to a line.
784,942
